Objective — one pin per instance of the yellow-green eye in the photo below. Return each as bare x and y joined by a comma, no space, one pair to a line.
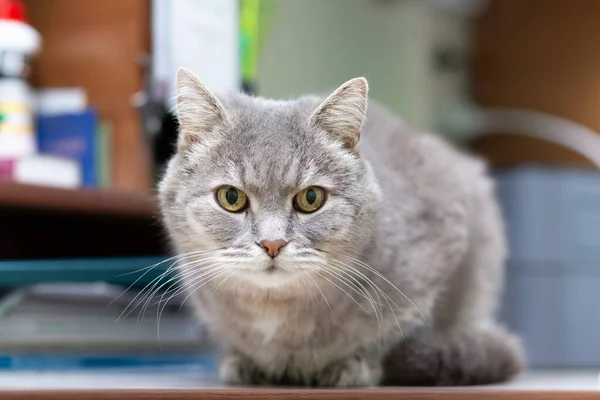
232,199
310,199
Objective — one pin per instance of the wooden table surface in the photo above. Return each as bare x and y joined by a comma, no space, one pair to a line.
278,394
184,384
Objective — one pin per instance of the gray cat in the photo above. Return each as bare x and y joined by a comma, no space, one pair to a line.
318,259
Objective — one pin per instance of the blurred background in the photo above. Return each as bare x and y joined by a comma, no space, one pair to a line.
85,131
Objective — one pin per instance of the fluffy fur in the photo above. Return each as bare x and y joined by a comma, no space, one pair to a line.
394,280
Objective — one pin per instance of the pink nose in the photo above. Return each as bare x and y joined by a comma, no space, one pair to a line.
272,246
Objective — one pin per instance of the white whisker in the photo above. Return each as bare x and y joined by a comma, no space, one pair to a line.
322,294
149,289
377,290
223,270
189,277
223,281
150,293
151,267
374,271
378,311
192,280
345,292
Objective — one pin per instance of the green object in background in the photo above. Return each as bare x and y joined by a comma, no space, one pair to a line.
313,46
103,158
249,41
266,17
255,19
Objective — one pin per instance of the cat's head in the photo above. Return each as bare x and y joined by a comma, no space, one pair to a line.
267,191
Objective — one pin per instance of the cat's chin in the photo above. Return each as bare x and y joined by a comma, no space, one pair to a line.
271,278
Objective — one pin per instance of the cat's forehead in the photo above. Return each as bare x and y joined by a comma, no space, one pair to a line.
270,144
279,158
272,135
257,119
283,169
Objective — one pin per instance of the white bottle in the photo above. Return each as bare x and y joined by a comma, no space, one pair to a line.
18,43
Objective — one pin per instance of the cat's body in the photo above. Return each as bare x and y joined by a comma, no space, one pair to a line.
394,279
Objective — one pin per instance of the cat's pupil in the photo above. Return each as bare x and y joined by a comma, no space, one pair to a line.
231,196
311,196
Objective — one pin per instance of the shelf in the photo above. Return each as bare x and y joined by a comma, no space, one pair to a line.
40,222
114,270
15,195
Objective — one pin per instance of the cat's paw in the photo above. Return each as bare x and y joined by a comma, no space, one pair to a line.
355,371
236,370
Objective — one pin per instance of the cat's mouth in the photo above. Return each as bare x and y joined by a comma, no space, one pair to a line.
272,269
271,276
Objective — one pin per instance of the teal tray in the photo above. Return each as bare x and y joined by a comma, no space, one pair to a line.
120,271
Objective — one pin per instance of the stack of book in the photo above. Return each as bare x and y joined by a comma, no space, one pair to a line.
73,144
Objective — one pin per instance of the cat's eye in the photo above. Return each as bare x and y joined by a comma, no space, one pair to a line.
310,199
232,199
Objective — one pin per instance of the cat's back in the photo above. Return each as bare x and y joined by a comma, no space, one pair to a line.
402,157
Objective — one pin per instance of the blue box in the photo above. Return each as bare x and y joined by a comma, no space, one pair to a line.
552,293
72,136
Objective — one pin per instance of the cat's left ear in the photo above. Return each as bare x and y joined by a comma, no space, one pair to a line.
342,114
198,110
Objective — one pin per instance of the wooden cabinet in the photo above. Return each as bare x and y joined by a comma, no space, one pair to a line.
97,45
540,55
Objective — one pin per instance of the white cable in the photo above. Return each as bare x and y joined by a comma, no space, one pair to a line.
543,126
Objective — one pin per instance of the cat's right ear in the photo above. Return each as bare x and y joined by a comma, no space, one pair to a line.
199,112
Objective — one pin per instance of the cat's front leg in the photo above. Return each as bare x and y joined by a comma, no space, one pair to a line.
237,370
358,370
